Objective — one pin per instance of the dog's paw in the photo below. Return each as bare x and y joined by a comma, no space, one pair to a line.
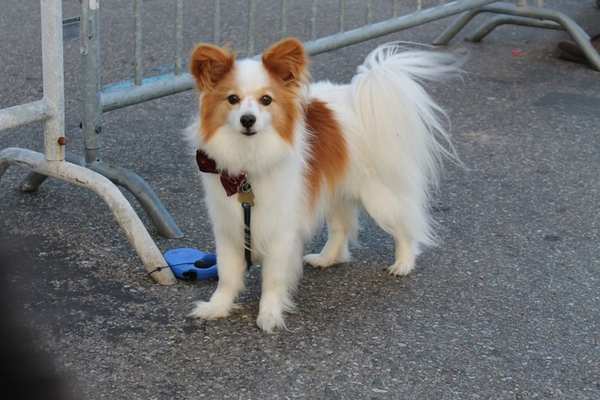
320,261
317,261
270,320
210,310
401,268
270,316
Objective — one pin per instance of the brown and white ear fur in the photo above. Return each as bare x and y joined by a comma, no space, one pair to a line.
287,61
209,64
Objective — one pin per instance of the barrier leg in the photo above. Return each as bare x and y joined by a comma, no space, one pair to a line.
157,212
487,27
534,15
124,214
455,27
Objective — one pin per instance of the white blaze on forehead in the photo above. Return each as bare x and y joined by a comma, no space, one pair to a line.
251,76
249,105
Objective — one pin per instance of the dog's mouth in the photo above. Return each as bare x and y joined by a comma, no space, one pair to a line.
248,132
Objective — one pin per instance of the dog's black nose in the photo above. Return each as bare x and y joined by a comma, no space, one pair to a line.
247,120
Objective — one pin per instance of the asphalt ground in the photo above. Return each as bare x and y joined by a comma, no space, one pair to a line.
507,307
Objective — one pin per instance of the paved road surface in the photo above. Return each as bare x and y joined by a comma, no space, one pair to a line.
508,307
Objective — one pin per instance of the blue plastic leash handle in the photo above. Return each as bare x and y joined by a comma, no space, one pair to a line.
192,264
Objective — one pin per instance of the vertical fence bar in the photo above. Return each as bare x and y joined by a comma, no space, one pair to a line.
217,23
52,59
251,27
313,20
90,78
395,7
369,11
419,4
178,36
342,13
139,48
283,21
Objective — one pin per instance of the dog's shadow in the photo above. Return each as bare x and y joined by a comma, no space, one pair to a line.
326,297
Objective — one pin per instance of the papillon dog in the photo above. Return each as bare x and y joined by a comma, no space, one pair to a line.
313,152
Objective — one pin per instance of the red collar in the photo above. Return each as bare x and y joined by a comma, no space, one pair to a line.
231,184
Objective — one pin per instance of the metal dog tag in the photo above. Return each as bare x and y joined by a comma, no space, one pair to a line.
245,194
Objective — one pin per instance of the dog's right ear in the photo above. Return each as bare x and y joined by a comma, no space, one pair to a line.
209,64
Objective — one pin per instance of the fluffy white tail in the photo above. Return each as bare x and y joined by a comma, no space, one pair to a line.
403,127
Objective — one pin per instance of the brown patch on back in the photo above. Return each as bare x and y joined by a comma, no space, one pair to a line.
329,157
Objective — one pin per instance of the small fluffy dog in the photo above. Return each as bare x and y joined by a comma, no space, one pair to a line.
314,150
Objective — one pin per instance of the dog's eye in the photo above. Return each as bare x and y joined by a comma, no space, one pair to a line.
266,100
233,99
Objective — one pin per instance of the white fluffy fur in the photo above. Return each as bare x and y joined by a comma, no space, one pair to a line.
396,141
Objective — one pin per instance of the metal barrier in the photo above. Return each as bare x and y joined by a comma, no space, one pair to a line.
97,99
50,111
91,127
525,15
140,89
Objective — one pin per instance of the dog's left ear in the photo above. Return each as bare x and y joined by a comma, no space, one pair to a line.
287,61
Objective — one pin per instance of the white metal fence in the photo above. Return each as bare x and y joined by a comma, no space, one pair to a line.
50,110
97,98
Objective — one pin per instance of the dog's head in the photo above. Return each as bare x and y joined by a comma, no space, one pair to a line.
250,109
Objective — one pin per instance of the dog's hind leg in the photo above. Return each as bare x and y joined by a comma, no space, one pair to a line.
231,268
341,224
399,217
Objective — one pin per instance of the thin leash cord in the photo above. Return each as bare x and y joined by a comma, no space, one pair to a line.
247,234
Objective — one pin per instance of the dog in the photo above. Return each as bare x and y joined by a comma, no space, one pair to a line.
313,152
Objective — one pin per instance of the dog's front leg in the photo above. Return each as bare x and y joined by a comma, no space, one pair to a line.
231,268
282,269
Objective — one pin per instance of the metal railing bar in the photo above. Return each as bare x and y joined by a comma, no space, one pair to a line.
53,76
342,12
126,93
123,94
178,36
217,22
313,20
22,114
251,27
71,20
392,25
139,45
283,18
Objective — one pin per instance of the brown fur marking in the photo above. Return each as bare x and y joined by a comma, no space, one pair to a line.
215,108
329,158
213,68
285,110
287,64
209,64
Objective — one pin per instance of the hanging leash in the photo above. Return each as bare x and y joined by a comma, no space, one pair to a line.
246,199
233,184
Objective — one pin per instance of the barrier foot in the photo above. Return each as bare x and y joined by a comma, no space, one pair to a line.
157,212
126,217
537,16
488,26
